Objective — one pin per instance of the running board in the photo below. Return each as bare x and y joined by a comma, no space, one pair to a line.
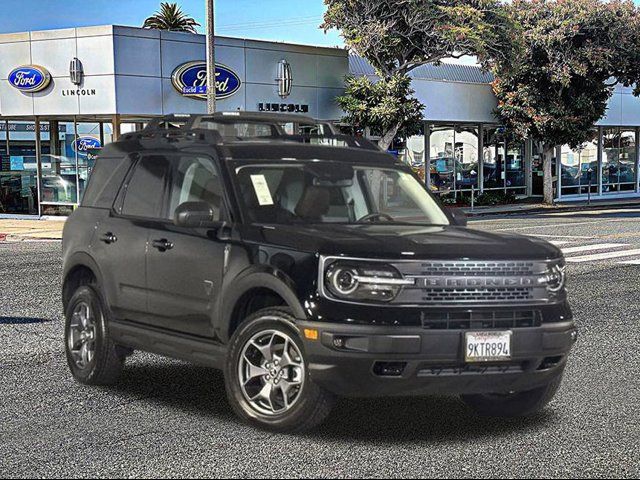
168,343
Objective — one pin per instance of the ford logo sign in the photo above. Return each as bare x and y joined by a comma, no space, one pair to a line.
29,78
190,79
84,144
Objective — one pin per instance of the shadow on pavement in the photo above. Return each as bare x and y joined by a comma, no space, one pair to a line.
201,391
182,386
22,320
433,419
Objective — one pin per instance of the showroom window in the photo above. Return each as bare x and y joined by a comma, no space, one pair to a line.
453,157
618,160
579,167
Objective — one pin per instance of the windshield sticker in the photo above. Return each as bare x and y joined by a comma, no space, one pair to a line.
262,190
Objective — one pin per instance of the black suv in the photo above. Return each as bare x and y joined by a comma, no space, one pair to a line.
305,266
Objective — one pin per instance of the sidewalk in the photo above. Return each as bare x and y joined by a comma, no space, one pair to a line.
524,208
17,230
12,230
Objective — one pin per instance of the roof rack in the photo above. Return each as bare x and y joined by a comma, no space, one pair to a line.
213,128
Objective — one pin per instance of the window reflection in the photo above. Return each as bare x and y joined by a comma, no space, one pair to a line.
18,168
618,159
579,167
453,157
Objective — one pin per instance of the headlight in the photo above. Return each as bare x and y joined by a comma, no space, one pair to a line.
555,277
351,281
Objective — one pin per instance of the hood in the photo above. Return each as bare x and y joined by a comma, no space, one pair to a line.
403,241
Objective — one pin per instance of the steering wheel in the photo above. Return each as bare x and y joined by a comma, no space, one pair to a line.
371,216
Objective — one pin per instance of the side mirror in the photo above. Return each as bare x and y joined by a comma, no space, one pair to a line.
196,215
459,217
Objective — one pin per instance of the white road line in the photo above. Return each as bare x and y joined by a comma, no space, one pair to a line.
570,224
603,256
630,262
579,237
597,246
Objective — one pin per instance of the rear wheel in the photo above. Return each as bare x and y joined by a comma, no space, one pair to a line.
91,355
517,404
267,378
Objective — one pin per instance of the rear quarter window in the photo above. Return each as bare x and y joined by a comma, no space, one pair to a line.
105,180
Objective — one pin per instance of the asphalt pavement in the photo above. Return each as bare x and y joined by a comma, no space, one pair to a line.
170,418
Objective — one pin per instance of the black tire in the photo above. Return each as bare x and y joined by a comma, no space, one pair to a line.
313,404
107,361
520,404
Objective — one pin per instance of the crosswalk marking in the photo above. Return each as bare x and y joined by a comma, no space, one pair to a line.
597,246
604,256
557,243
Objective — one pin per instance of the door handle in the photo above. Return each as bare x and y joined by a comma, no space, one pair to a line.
162,245
108,238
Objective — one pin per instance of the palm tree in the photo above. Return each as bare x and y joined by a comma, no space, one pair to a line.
171,17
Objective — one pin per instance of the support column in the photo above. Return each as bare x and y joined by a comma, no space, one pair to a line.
481,158
528,169
115,123
637,160
38,163
426,131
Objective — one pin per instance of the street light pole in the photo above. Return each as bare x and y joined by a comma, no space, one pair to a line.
211,60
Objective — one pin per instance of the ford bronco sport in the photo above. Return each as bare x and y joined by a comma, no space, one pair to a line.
305,266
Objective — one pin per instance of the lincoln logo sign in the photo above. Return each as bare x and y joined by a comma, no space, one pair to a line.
190,79
84,144
29,78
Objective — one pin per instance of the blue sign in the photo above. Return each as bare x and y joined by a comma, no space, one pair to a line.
29,78
16,162
83,145
190,79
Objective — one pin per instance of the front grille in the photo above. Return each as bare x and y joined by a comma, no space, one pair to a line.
482,319
442,295
477,269
484,282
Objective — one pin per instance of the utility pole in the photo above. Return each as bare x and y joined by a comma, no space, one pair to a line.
211,60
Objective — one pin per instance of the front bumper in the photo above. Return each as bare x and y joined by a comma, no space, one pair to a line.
356,360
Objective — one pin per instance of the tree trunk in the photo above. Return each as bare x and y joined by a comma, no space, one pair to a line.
375,177
548,154
388,137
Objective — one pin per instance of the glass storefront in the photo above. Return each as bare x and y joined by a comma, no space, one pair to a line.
604,164
618,160
67,153
453,157
579,167
18,168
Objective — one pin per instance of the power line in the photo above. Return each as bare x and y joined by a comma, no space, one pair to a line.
283,23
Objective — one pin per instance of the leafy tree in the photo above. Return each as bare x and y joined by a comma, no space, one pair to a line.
554,82
396,36
171,17
384,106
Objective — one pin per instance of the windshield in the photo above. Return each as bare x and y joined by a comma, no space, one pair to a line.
333,192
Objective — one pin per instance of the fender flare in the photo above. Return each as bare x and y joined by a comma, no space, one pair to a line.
81,259
258,277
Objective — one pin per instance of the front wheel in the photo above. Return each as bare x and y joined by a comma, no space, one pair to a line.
267,378
517,404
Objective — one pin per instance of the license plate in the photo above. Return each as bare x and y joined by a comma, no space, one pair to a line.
487,346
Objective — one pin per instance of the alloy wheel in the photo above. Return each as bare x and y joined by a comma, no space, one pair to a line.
82,335
271,372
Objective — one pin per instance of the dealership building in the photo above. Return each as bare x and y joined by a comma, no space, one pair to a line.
66,93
